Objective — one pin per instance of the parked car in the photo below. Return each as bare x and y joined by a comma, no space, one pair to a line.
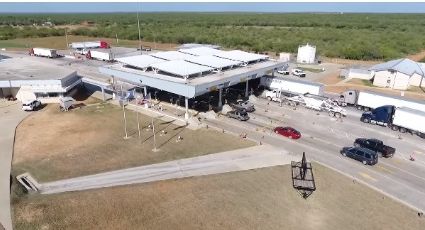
288,132
240,115
376,146
366,156
298,72
283,71
246,105
31,105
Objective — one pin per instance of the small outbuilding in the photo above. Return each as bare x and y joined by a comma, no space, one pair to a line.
306,54
398,74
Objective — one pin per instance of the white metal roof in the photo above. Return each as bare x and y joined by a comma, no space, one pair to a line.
242,56
404,65
140,61
213,61
199,51
180,68
172,55
193,45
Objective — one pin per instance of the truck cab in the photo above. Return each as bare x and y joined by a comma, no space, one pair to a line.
381,115
375,145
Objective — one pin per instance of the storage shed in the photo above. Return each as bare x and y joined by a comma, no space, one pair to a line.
306,54
398,74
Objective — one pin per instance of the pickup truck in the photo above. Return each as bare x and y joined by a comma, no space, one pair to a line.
246,105
298,73
375,145
240,115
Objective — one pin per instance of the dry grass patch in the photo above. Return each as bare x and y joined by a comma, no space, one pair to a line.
56,145
255,199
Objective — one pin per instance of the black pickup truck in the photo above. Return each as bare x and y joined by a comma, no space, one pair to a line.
375,145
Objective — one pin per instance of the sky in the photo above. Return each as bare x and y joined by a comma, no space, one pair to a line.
212,7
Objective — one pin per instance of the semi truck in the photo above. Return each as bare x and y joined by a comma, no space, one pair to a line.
90,45
365,100
291,85
401,119
43,52
310,101
100,55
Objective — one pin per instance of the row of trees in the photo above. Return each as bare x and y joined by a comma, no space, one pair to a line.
353,36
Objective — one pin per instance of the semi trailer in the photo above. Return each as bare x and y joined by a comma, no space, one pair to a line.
100,55
291,85
90,45
401,119
43,52
365,100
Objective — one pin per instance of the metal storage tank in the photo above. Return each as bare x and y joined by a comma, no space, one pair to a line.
306,54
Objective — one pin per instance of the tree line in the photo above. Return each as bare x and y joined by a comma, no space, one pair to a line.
352,36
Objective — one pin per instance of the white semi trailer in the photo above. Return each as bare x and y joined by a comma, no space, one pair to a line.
100,55
366,100
43,52
89,45
291,85
409,119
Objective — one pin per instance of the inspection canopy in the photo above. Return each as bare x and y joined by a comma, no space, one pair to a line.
172,55
140,61
198,51
180,68
238,55
213,61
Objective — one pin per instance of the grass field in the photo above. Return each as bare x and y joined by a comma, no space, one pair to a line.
255,199
54,145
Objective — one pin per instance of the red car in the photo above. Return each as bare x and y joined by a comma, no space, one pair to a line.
288,132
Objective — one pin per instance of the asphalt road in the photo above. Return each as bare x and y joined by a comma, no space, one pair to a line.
323,138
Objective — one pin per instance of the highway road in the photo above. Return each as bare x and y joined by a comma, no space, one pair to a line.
323,137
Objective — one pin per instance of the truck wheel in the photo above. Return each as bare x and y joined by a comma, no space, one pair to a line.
402,130
394,128
332,114
344,154
269,98
364,162
338,115
366,120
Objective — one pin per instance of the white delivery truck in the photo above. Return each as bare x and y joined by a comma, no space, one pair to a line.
366,100
291,85
100,55
43,52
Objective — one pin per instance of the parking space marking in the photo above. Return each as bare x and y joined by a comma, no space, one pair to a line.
367,176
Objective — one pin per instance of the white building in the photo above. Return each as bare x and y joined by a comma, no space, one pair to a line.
306,54
398,74
26,79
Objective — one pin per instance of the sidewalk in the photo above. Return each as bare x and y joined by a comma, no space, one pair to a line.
10,116
230,161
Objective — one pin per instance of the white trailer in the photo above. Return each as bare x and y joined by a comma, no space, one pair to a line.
366,100
89,45
43,52
410,119
291,85
100,55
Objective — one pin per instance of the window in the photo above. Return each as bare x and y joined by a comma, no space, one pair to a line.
367,155
350,93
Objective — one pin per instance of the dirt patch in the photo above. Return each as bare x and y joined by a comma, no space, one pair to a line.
255,199
418,56
54,145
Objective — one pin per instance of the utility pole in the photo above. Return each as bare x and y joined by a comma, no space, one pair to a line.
138,27
66,38
154,137
116,36
125,119
138,123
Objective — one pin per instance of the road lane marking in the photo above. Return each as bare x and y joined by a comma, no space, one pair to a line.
384,169
367,176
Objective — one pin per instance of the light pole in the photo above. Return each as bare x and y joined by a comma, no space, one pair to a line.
154,136
138,123
125,119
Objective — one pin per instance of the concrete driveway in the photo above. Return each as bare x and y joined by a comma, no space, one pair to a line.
10,116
